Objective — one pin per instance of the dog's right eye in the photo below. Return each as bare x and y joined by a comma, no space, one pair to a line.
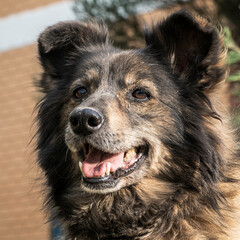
141,94
80,93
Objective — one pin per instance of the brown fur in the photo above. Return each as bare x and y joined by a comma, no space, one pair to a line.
187,187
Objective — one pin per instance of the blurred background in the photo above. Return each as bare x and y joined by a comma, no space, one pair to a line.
21,194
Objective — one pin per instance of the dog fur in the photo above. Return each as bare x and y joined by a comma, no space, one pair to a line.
164,96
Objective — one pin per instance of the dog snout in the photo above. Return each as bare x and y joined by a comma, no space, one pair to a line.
85,121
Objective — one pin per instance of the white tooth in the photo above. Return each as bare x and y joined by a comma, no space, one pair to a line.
103,175
108,168
81,168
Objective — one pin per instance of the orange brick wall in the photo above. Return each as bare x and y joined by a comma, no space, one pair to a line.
20,198
21,217
14,6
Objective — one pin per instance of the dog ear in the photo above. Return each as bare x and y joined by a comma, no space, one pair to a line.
192,47
62,43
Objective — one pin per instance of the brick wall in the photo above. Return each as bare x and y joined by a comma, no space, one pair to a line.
20,198
21,217
14,6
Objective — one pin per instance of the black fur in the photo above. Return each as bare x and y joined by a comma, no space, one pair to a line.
181,57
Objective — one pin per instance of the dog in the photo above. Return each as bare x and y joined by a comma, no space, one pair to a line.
135,144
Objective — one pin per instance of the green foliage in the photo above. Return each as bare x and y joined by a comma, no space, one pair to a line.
233,57
234,77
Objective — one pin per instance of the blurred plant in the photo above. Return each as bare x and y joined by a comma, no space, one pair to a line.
113,10
120,16
233,57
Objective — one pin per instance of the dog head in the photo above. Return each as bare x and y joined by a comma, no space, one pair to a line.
111,118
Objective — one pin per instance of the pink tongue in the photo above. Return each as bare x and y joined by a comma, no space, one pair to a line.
95,163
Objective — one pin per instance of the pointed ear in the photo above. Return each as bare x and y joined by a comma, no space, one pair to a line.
61,44
191,46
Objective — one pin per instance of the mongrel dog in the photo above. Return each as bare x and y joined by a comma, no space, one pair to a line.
157,159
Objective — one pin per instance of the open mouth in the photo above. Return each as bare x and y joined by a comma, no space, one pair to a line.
102,167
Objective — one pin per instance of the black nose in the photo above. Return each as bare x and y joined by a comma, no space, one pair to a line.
85,121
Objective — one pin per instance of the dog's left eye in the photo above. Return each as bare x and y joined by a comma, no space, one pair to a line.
141,94
80,93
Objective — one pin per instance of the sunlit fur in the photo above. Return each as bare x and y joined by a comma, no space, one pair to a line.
187,187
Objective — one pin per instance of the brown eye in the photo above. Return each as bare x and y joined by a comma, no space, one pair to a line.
80,93
141,94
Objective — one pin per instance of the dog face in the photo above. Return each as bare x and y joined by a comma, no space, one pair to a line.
119,115
115,119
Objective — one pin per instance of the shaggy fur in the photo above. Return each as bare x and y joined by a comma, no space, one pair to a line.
163,97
